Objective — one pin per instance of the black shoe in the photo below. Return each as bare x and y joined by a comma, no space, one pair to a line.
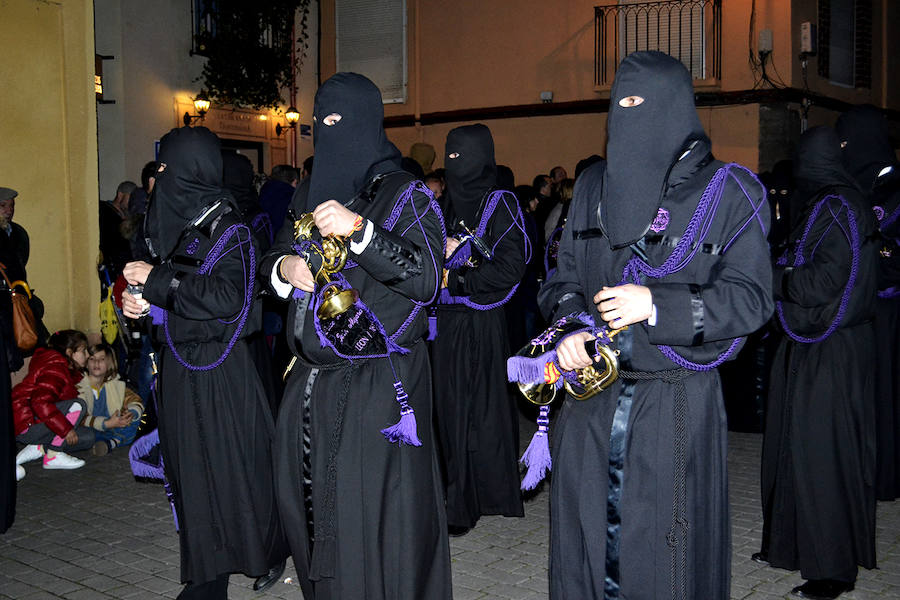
760,557
457,531
268,580
822,589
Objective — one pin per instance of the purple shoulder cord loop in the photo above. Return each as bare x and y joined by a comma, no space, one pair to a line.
518,221
556,231
212,258
696,231
262,221
853,239
889,220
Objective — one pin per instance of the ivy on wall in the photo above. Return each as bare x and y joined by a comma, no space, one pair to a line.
248,46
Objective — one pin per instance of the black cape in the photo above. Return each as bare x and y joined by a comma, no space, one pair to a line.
735,299
382,514
477,419
215,427
819,449
364,516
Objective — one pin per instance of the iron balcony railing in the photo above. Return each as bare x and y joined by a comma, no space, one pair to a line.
689,30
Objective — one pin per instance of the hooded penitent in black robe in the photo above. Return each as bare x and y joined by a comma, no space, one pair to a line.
477,419
215,427
819,446
237,178
364,516
869,157
615,480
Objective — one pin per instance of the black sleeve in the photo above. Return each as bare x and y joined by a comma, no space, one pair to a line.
409,258
219,294
508,264
820,280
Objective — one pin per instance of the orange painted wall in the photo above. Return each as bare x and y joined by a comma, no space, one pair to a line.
473,54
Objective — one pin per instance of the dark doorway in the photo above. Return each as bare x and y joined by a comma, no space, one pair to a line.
252,150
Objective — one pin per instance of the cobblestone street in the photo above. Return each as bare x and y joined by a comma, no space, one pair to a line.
95,533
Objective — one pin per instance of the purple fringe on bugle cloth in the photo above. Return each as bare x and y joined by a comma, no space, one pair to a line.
691,242
143,447
853,238
530,369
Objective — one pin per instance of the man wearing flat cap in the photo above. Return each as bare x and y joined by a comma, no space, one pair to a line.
15,233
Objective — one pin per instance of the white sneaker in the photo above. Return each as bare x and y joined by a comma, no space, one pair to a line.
61,460
29,453
20,472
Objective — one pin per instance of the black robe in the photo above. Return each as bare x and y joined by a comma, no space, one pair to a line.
477,419
365,517
215,427
819,446
719,296
887,339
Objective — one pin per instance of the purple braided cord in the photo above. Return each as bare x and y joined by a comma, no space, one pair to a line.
519,222
889,220
799,261
262,221
694,234
211,259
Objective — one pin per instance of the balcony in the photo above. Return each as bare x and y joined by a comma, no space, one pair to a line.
689,30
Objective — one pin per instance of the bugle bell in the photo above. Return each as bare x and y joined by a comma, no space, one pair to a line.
589,380
323,263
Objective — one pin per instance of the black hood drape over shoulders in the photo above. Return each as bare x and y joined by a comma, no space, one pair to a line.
868,148
472,173
237,178
353,149
644,141
817,166
191,180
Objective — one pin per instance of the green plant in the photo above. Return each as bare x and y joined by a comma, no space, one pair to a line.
248,46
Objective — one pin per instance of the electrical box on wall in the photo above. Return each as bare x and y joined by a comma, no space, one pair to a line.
765,41
807,38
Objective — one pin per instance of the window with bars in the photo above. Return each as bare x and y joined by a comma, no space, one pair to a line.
845,42
371,41
689,30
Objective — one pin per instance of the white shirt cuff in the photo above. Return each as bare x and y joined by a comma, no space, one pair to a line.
368,232
281,288
652,320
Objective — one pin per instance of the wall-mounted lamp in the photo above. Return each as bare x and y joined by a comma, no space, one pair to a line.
291,116
201,105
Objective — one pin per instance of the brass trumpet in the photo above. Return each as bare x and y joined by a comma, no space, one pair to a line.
592,379
323,264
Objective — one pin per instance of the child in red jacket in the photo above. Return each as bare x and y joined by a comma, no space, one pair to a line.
46,407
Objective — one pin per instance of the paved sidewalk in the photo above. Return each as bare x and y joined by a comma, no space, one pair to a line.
94,534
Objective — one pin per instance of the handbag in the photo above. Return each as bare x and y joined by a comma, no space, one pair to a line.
24,323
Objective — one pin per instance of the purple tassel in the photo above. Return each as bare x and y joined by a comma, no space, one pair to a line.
432,328
171,497
537,455
404,431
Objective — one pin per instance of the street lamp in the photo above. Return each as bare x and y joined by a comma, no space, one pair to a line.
201,105
292,116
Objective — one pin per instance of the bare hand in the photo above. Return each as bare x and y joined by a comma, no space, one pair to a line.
72,437
452,244
132,307
119,419
571,352
136,272
297,272
332,218
624,304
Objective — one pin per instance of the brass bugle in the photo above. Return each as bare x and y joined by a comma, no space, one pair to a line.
324,264
592,379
